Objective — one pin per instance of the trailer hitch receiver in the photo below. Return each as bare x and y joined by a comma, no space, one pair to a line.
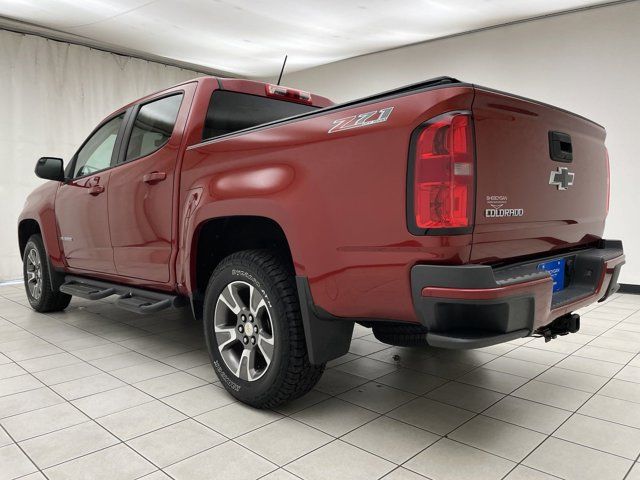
569,323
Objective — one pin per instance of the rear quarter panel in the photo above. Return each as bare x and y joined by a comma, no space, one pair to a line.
339,197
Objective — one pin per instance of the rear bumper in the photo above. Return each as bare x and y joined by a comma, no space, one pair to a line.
474,306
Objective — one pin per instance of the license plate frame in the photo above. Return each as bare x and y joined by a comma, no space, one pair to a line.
557,269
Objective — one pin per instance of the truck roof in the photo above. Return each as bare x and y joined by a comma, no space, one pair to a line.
251,87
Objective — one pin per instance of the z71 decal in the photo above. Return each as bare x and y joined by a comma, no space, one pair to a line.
361,120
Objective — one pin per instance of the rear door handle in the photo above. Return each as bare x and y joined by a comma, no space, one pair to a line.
154,177
96,190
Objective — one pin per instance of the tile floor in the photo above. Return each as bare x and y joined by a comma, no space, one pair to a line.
96,392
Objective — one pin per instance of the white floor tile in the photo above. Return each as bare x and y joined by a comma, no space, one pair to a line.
575,462
116,462
340,460
63,445
176,442
390,439
236,419
450,460
226,460
390,406
554,395
433,416
284,440
500,438
44,420
14,462
601,435
335,417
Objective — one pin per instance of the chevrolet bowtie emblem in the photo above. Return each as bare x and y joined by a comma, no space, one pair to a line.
562,178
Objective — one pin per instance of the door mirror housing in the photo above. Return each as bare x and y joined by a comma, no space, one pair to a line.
50,168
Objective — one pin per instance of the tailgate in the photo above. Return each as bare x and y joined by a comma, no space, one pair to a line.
528,202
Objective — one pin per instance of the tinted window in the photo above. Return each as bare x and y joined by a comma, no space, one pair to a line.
232,111
95,154
153,126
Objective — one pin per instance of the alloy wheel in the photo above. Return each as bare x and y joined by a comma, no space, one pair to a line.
34,273
244,331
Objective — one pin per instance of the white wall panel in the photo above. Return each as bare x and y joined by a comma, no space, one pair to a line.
52,94
586,62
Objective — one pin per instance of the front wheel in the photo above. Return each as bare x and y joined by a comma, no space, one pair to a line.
254,333
42,297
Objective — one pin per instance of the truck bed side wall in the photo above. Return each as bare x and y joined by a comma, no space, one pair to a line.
339,197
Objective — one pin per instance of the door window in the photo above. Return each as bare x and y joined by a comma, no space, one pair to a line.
96,153
153,126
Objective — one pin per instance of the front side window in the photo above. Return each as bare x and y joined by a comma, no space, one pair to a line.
96,153
231,111
153,126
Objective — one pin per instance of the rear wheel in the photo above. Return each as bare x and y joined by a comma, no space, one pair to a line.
40,294
254,333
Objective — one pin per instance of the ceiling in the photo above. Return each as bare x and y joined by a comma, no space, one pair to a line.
250,37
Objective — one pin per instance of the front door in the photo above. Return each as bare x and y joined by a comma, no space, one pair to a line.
141,188
81,202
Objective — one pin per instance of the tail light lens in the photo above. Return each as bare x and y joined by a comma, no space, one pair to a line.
606,156
443,176
288,93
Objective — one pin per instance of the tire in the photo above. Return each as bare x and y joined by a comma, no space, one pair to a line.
274,318
401,335
37,281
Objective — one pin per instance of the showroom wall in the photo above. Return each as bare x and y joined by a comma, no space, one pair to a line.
587,62
52,95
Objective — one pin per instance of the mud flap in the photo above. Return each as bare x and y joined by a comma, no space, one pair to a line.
327,337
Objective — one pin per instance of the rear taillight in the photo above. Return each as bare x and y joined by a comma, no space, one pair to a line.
443,175
606,156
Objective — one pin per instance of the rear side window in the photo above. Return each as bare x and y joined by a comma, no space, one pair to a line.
153,126
231,111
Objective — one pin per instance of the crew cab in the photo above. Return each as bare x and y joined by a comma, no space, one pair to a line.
440,214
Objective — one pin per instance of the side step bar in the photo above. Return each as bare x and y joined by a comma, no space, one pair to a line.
132,299
86,291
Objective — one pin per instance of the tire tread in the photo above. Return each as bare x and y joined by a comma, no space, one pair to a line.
297,376
50,300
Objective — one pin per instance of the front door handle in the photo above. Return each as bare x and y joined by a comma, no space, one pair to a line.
96,190
154,177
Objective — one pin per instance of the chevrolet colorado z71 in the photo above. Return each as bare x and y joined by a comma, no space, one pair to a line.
439,214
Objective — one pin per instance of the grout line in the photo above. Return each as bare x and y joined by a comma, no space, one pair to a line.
510,394
22,450
93,420
157,399
575,412
330,395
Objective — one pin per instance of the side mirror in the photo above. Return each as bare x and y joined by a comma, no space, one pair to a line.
50,168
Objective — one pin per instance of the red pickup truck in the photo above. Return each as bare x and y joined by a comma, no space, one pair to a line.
439,214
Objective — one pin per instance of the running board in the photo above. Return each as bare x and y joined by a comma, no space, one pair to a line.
139,304
86,291
132,299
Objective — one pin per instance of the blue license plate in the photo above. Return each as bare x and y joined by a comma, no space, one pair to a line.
556,270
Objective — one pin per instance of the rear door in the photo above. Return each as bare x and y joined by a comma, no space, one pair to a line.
542,178
81,202
141,187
